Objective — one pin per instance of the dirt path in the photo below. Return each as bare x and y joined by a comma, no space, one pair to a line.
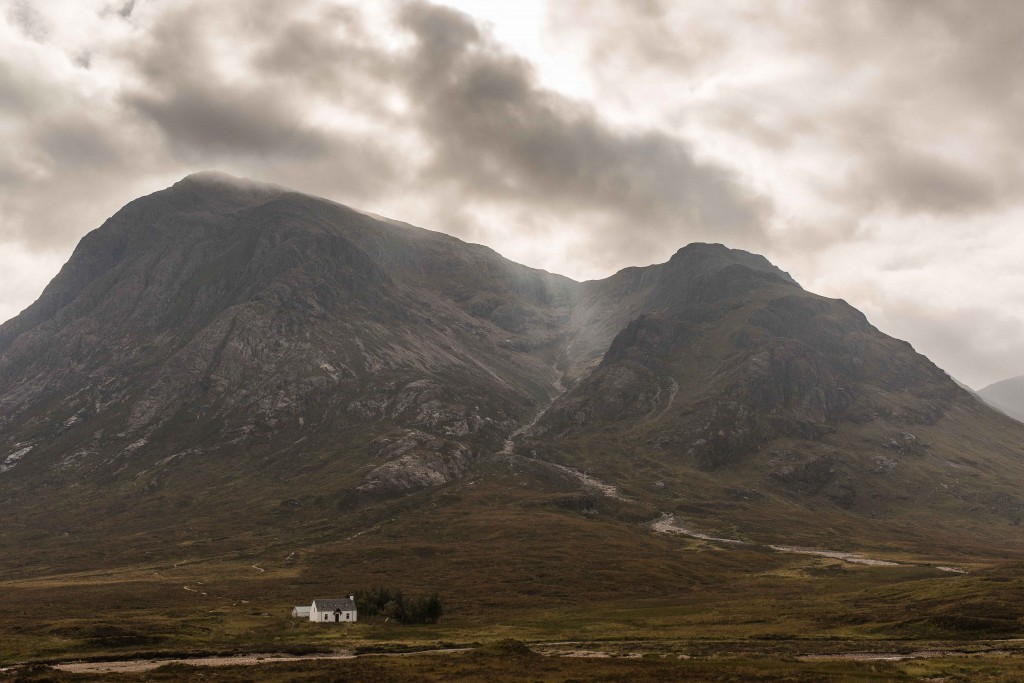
253,659
878,656
609,490
667,524
141,665
1010,647
852,558
571,649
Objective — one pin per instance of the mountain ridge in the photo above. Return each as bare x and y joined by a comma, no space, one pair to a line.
218,336
1007,396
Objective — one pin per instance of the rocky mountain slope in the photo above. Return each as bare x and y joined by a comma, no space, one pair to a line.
249,356
1007,396
736,394
218,312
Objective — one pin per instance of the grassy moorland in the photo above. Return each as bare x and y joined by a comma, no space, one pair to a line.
544,568
235,399
514,662
517,551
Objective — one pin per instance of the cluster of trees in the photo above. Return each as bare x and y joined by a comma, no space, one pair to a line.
391,603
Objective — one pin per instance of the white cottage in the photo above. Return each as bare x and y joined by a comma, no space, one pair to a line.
333,610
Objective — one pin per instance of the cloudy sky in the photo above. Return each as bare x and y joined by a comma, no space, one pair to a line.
870,147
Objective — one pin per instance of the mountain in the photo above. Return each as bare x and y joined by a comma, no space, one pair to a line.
745,396
224,364
218,312
1007,396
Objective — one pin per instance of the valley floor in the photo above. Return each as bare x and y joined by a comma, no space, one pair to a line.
780,617
554,586
512,660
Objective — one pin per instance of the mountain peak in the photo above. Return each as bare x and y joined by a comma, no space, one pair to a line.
216,178
226,186
700,255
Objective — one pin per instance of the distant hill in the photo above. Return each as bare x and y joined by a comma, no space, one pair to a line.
1007,396
224,364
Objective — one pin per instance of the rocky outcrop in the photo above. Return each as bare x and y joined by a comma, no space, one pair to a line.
415,460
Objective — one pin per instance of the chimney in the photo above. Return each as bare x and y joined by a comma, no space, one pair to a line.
352,598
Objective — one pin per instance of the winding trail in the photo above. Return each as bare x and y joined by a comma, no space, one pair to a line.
852,558
564,648
667,524
1011,646
608,490
143,665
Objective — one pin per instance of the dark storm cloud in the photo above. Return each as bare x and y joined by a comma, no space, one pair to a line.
487,130
204,114
498,134
203,121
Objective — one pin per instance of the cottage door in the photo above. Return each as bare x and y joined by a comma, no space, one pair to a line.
337,616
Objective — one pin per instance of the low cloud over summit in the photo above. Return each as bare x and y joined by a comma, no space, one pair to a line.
869,148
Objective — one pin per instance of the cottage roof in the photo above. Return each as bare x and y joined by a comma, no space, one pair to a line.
331,604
